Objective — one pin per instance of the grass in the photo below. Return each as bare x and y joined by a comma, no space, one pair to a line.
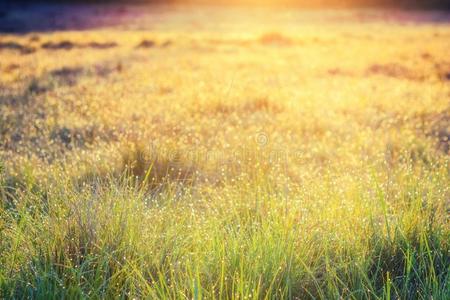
294,160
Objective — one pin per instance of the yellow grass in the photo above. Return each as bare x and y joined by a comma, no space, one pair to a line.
272,154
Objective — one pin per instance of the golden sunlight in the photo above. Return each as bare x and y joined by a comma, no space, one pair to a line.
227,150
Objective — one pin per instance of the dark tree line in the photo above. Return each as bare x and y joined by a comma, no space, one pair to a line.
427,4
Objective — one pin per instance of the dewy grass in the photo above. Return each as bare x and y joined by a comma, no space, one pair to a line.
292,160
110,239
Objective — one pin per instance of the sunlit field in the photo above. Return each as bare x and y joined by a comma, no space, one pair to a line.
225,153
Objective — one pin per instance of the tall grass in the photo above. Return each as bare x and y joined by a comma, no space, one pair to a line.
305,157
329,238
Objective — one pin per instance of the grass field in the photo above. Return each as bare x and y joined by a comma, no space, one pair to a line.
225,153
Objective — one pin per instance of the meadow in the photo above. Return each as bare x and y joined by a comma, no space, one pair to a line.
226,153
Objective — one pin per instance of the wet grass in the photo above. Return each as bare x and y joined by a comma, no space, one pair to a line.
280,162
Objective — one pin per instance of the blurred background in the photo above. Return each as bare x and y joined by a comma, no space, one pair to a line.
424,4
